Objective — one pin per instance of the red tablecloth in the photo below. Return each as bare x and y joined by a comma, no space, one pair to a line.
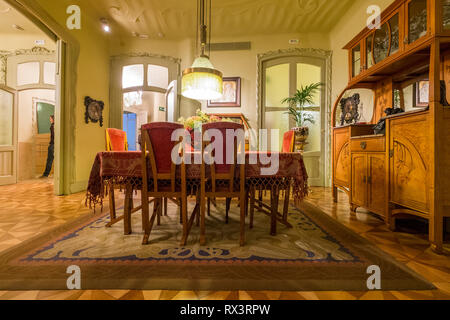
126,167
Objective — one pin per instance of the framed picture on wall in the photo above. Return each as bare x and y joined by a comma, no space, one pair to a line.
422,94
231,94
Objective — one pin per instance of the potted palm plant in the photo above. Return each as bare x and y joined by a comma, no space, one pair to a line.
299,104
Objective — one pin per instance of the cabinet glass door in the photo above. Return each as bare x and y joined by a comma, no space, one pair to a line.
446,14
417,19
395,35
356,58
369,51
381,43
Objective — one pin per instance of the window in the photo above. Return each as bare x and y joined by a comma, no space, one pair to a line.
133,98
157,76
50,73
28,73
133,76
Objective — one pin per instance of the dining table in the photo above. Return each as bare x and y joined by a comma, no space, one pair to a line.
289,177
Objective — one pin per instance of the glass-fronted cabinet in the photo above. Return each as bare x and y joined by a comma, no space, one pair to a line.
417,20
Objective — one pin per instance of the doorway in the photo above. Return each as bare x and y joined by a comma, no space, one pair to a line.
146,86
281,76
29,81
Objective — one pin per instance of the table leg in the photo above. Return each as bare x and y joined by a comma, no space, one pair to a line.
127,209
286,203
112,202
275,193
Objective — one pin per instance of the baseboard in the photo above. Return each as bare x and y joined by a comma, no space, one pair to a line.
78,186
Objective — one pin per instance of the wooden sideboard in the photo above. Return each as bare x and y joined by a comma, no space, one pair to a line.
405,172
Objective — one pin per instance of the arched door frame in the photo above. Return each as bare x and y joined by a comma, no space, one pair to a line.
68,50
306,54
116,90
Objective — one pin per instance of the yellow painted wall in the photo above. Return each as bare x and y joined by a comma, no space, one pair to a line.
92,80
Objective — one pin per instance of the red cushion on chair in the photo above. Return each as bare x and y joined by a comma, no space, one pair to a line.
288,141
223,127
117,139
160,134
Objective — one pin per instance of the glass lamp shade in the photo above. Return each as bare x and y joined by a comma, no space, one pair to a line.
202,81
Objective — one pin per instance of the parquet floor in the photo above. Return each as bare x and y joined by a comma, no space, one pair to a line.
30,208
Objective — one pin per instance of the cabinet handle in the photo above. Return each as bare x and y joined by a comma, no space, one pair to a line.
369,180
363,145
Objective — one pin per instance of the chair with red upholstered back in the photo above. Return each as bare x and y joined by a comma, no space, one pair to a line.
116,140
288,141
161,176
226,175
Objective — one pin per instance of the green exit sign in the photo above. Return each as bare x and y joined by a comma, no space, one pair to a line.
162,109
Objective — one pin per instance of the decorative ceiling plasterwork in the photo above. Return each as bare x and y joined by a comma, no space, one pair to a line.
175,19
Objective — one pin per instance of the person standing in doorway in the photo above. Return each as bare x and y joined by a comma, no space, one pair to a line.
51,149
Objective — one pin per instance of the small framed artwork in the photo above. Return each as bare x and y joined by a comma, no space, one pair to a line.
422,94
231,94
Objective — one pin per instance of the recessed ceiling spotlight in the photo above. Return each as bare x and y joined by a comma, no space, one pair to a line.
143,36
105,25
17,27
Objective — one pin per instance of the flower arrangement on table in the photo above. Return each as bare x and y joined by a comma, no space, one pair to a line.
196,122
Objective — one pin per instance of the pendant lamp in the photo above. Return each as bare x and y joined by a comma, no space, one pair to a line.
202,81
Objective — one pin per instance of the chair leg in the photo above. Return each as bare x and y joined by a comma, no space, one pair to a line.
145,219
165,207
202,221
252,206
228,206
209,207
184,219
149,227
159,212
242,220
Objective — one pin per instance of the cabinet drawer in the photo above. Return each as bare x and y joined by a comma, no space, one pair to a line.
368,145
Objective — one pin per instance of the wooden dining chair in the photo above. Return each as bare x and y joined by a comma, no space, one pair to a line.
220,179
275,191
116,141
161,178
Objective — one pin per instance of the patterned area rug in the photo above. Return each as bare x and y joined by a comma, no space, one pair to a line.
317,254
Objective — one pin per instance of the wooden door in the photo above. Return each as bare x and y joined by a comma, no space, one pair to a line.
359,179
8,136
376,192
342,158
410,162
